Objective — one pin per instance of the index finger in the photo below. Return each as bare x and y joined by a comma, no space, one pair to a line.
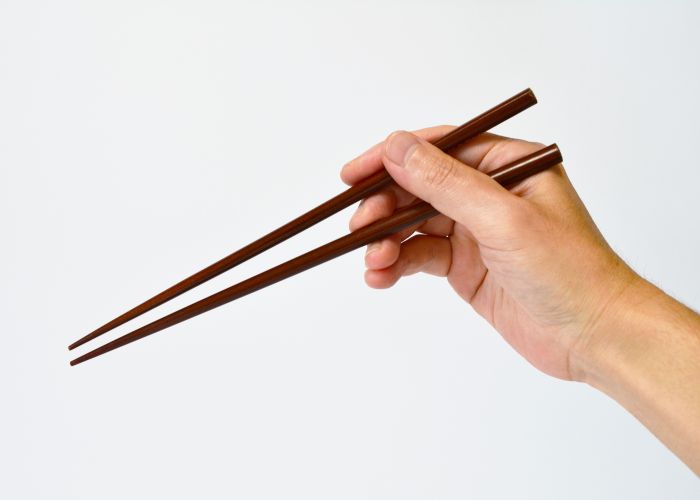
472,152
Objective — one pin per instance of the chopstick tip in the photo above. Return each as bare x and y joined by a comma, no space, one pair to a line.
90,336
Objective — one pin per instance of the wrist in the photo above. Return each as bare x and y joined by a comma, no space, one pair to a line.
596,355
637,326
606,324
643,352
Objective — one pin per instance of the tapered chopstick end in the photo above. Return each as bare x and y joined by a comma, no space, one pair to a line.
79,360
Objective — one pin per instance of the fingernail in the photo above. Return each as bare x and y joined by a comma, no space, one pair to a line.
356,216
400,147
373,247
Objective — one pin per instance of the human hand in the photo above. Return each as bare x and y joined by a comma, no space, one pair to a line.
530,261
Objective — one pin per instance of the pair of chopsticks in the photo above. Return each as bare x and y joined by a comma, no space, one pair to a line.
507,176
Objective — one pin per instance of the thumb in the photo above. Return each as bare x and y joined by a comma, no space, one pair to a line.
461,192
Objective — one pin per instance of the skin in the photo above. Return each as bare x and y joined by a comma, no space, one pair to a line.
532,262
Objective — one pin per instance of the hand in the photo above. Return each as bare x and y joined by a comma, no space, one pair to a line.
530,261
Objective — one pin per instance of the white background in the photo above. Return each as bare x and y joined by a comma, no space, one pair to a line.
140,141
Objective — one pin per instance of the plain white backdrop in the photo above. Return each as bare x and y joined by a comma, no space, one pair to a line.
142,140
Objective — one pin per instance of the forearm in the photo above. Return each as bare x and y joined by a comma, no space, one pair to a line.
645,353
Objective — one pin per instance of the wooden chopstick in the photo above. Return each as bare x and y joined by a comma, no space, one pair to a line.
507,175
362,189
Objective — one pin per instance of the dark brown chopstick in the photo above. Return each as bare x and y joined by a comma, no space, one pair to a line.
507,175
362,189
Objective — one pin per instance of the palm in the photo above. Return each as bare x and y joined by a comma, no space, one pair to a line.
475,276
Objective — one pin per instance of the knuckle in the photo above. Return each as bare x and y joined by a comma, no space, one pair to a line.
439,172
508,149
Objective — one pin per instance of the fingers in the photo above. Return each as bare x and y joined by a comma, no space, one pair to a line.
438,226
486,152
384,253
375,207
371,160
429,254
456,190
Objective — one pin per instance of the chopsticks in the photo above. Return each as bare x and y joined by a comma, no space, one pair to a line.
362,189
507,175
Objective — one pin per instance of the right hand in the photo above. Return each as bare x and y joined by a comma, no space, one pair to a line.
530,260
